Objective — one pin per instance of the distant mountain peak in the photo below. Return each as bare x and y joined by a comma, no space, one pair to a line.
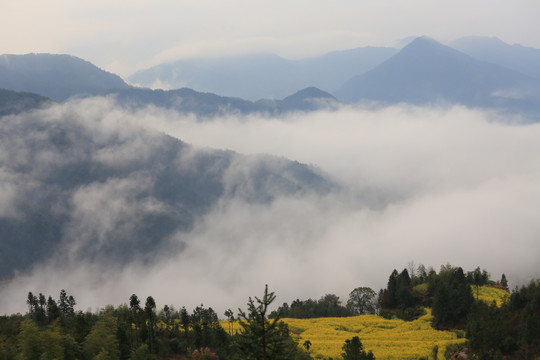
311,92
310,98
55,76
425,43
428,72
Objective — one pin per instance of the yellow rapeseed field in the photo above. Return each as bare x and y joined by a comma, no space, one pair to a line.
388,339
490,294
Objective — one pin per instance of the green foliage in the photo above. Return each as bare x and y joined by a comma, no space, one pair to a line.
54,330
362,301
36,343
510,330
207,331
453,298
399,299
327,306
102,341
140,353
29,340
261,338
504,282
354,350
485,327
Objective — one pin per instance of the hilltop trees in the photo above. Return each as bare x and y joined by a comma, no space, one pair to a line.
362,300
448,293
327,306
453,298
398,298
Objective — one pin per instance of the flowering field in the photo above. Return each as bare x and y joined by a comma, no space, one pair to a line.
490,294
388,339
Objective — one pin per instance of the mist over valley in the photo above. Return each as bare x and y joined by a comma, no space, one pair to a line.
422,153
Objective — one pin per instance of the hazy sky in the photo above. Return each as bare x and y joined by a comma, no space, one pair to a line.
123,36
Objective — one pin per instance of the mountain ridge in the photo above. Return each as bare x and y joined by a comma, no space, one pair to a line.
426,71
57,76
88,189
274,76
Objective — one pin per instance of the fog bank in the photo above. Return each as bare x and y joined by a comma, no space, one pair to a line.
428,185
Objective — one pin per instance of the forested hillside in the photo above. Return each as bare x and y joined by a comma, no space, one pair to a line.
54,329
82,186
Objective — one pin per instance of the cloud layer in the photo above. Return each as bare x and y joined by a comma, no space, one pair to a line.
419,184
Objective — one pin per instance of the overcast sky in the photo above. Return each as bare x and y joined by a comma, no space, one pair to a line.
123,36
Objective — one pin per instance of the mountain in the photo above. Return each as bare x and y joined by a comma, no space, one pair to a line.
12,102
186,101
251,77
261,76
331,70
525,60
426,71
55,76
60,77
79,186
206,105
308,99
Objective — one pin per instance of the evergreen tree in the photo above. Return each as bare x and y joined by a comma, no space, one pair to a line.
390,297
135,319
529,329
504,282
404,297
150,317
453,298
261,338
184,320
53,312
485,328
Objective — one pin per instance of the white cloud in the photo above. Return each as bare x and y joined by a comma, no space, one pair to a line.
424,184
104,211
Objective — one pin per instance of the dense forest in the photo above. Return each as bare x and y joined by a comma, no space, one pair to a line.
54,329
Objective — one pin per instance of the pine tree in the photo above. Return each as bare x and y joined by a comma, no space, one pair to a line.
261,338
504,282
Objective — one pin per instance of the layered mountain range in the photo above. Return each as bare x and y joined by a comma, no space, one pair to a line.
476,72
427,72
75,184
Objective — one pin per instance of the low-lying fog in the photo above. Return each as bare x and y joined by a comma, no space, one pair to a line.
429,185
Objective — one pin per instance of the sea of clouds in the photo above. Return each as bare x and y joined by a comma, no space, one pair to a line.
425,185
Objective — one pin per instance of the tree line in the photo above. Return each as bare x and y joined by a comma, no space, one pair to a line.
511,330
53,329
